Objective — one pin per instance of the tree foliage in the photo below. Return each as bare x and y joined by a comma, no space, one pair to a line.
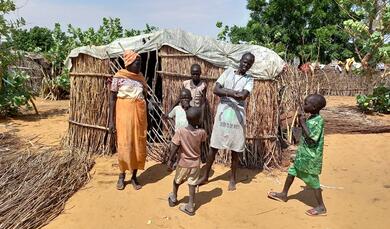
13,89
378,101
367,26
56,44
306,29
36,39
312,30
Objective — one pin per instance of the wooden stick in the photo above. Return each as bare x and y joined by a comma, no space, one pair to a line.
88,125
90,74
35,107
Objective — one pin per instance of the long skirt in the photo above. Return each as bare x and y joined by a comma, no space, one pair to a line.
131,126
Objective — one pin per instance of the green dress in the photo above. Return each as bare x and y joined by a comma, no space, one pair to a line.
308,161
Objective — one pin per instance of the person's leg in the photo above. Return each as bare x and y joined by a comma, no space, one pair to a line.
120,185
134,180
283,195
320,210
318,195
191,200
172,198
189,208
233,175
210,160
175,190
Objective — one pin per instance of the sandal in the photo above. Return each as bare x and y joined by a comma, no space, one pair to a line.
317,211
171,202
184,209
274,196
120,185
135,184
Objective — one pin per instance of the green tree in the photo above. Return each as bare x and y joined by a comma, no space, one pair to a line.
13,89
367,25
309,29
35,39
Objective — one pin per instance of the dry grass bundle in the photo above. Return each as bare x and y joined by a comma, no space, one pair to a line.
89,97
35,183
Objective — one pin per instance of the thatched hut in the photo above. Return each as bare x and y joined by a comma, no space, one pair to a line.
167,56
36,66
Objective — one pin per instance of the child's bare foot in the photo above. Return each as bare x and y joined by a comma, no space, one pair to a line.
232,186
135,183
317,211
279,196
189,210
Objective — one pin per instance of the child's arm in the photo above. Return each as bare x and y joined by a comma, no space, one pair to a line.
305,130
173,151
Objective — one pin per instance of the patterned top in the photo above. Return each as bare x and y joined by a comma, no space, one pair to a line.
127,88
196,92
309,157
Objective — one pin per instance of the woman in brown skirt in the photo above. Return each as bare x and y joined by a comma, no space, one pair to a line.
127,101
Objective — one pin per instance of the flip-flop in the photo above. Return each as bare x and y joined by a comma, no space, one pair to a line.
272,196
185,210
315,212
171,202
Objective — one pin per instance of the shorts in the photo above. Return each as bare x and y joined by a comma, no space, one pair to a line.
310,180
187,174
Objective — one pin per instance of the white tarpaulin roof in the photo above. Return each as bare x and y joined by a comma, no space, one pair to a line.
267,65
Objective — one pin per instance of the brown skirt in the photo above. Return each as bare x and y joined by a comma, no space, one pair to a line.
131,126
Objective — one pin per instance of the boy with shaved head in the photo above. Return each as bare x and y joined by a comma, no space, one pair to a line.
308,161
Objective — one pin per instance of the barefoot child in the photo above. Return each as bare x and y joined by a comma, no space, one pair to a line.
187,142
308,161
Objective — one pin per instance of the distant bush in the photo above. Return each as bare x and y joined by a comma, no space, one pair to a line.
379,101
14,93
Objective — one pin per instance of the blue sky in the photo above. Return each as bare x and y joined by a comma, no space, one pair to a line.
193,16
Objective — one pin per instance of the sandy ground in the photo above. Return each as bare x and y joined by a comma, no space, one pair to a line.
48,127
356,176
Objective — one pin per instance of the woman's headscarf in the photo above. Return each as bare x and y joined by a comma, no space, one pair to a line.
129,57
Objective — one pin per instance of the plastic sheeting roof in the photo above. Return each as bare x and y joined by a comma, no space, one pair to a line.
222,54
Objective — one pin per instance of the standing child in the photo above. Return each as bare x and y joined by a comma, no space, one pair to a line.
187,142
308,161
179,112
196,86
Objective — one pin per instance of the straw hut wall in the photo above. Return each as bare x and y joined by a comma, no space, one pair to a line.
37,67
89,97
262,110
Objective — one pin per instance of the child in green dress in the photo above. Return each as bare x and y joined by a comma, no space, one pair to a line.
308,162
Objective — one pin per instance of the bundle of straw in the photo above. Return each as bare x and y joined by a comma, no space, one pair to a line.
35,183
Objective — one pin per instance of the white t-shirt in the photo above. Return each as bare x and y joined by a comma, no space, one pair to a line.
179,114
